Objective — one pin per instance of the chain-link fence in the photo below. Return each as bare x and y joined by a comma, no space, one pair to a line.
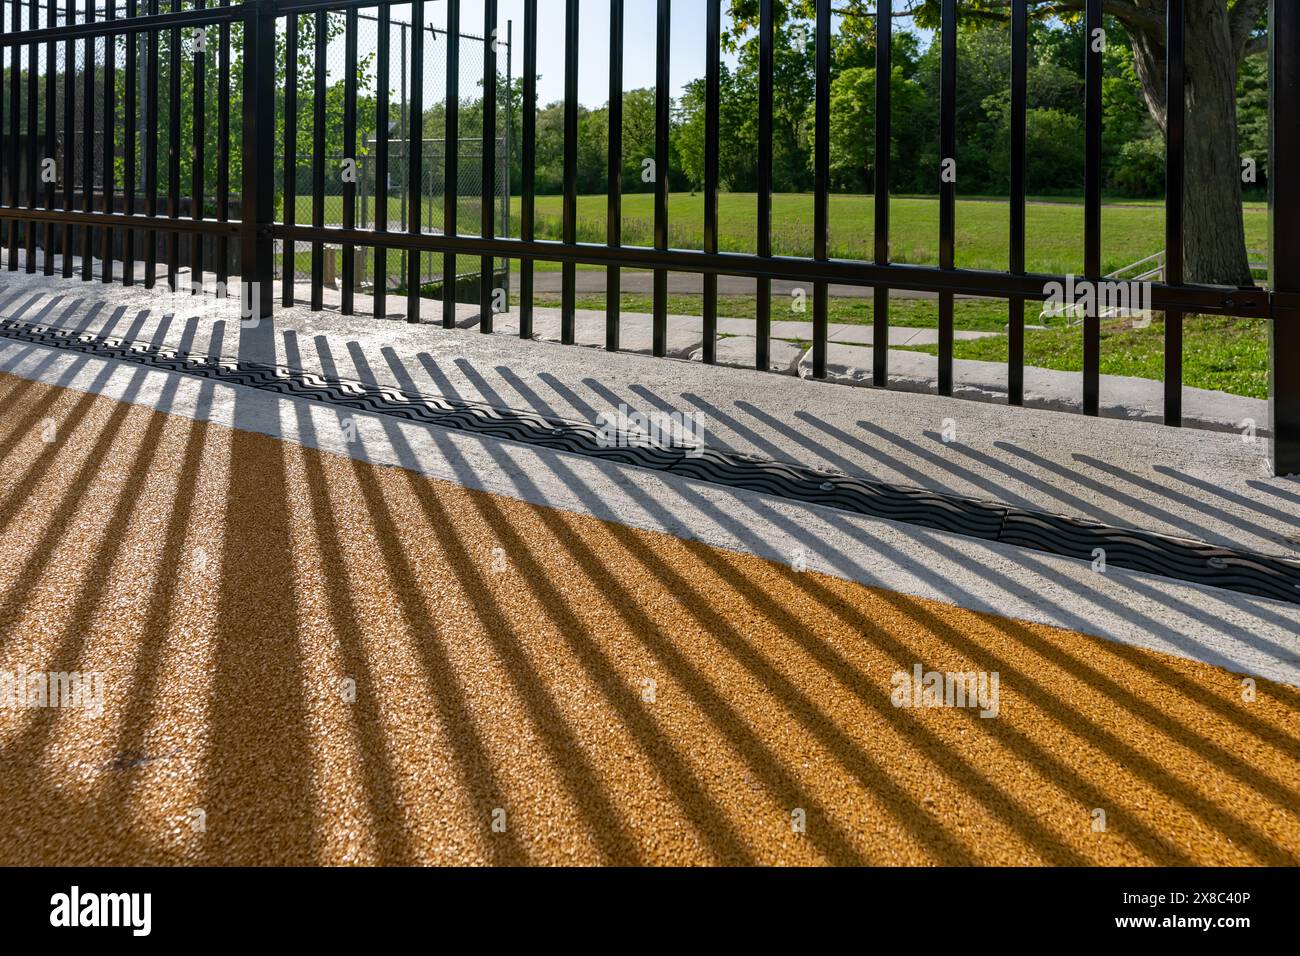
404,191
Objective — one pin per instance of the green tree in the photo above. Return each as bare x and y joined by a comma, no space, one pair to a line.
1221,35
853,118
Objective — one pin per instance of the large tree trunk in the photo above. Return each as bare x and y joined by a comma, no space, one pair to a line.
1215,239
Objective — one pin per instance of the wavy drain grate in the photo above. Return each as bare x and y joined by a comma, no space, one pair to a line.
1178,558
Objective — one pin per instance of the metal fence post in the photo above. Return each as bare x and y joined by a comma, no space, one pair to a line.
1284,235
257,202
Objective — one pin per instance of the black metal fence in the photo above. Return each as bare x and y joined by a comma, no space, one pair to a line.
257,84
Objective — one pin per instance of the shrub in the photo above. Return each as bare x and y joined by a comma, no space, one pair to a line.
1139,169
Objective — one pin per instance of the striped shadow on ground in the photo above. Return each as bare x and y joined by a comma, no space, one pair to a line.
1182,559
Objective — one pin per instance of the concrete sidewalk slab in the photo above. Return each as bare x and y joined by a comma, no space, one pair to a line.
739,351
899,335
888,435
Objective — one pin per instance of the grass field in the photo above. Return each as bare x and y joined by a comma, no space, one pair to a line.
1130,230
1054,230
1220,353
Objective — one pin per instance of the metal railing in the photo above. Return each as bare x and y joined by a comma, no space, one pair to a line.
27,206
1152,269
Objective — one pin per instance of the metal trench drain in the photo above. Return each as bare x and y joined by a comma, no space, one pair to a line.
1181,559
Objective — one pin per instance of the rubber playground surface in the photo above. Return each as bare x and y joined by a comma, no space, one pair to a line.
309,659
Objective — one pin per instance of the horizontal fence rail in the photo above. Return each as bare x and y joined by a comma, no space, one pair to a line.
108,165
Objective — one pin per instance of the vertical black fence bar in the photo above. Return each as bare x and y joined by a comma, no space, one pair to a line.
33,129
763,287
614,177
1284,235
381,156
451,166
712,84
88,148
663,119
51,66
528,202
487,200
257,199
320,27
884,143
4,159
821,182
29,178
128,146
110,122
289,252
6,194
150,145
1019,106
199,132
1092,205
69,134
507,158
947,183
15,108
20,180
415,154
349,276
1175,104
33,160
174,153
24,228
223,149
568,271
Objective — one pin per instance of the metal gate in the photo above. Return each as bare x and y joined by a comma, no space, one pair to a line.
67,216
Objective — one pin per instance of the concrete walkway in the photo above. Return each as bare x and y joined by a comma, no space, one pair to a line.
849,360
1184,482
849,357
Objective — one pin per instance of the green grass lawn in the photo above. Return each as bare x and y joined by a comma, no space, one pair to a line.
1219,353
1054,231
1130,230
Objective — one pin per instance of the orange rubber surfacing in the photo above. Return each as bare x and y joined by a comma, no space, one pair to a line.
309,659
